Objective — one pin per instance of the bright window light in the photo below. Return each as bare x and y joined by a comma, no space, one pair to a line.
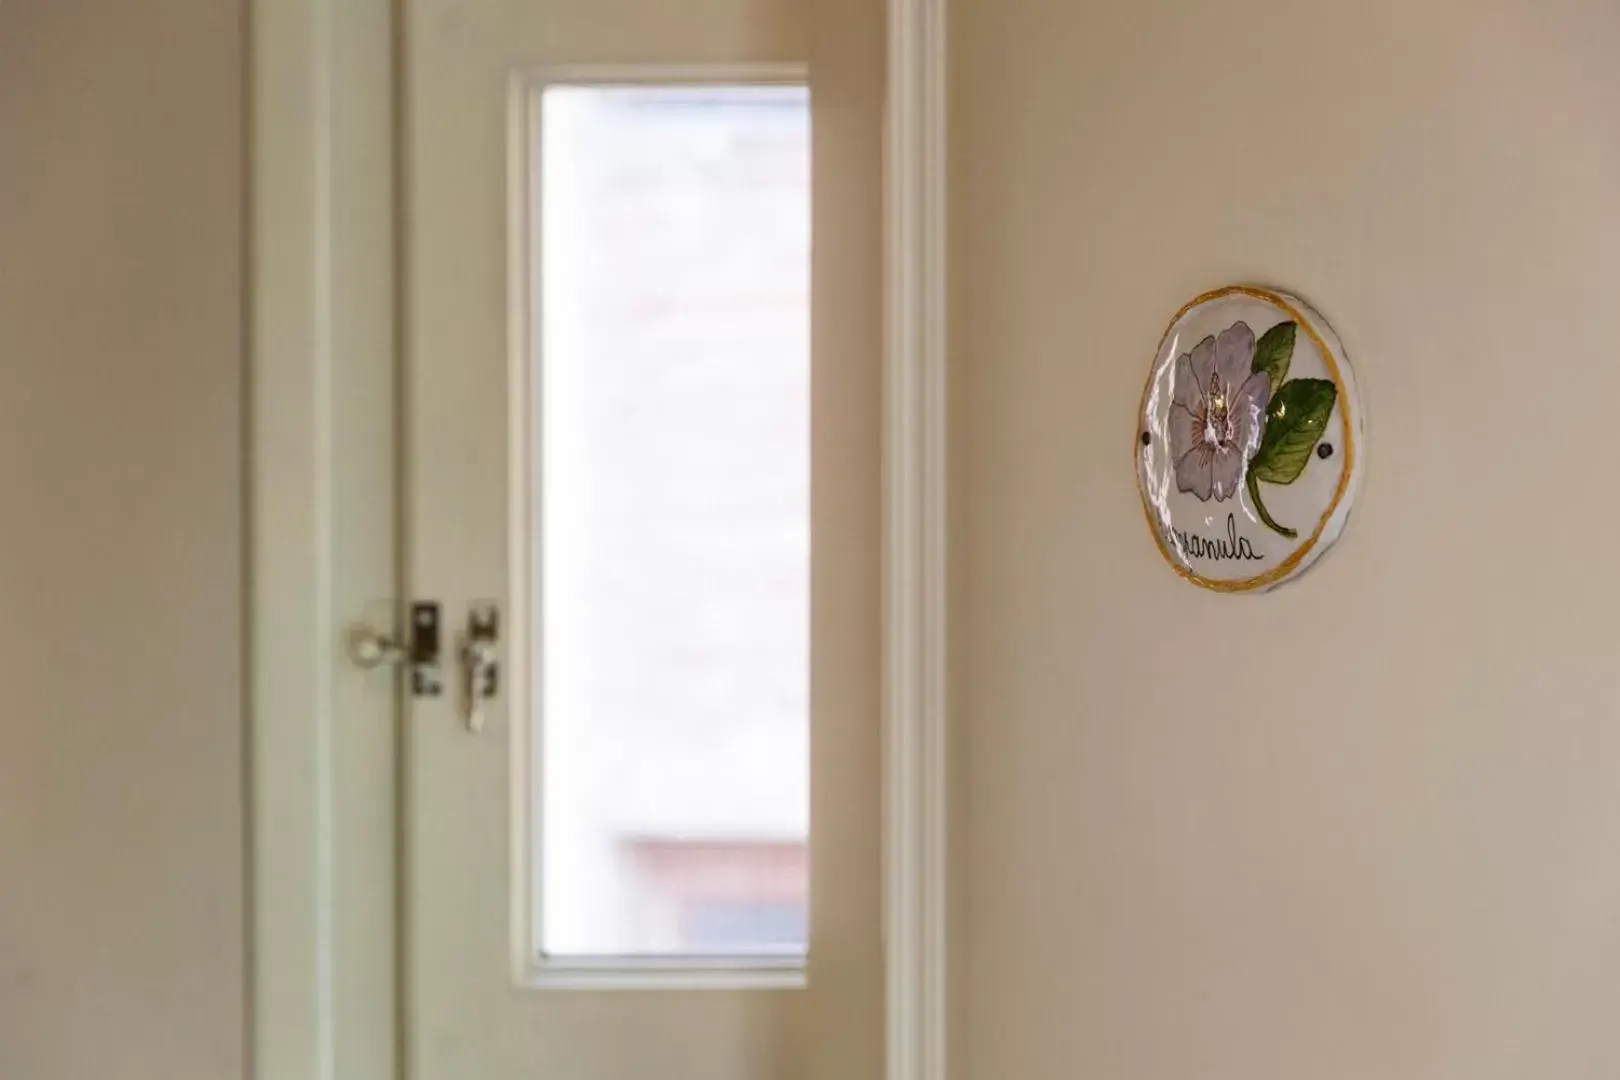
672,408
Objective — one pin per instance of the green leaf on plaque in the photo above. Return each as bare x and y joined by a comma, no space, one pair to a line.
1295,420
1273,352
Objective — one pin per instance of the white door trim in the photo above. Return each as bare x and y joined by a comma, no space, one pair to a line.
320,509
290,702
914,631
305,84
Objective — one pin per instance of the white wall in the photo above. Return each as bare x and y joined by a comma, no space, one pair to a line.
1365,826
121,856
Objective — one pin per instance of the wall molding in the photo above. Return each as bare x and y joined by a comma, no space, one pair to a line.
289,534
914,662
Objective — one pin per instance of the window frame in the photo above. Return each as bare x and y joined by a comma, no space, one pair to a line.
532,967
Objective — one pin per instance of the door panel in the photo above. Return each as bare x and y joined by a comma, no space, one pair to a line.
463,406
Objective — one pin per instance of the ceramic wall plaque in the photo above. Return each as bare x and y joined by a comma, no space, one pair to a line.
1249,448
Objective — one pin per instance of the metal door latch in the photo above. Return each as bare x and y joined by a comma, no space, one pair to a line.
480,666
369,648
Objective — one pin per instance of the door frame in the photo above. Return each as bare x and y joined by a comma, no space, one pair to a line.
915,772
319,68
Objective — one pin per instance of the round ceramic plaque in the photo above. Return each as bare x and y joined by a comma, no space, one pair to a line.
1248,445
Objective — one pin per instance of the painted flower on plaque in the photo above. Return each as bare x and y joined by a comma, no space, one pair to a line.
1217,413
1269,426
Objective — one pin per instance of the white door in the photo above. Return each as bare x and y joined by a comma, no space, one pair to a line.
616,861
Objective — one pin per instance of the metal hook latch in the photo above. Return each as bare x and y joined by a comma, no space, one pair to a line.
480,666
369,649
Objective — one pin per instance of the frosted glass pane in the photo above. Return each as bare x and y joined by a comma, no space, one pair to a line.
674,534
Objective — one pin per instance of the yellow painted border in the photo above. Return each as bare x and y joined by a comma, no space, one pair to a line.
1284,568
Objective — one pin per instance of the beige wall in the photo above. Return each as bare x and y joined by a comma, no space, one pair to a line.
842,1018
121,901
1365,826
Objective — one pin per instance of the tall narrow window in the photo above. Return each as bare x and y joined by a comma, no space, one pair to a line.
673,543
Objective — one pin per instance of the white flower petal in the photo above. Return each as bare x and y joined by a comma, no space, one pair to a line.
1249,413
1226,472
1234,356
1193,471
1202,362
1187,393
1186,431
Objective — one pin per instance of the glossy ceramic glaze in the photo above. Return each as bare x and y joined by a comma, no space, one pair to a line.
1249,439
